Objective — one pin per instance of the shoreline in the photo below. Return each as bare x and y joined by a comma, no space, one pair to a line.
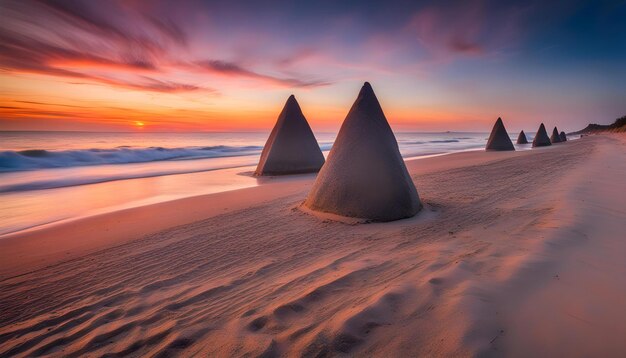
117,233
229,171
17,188
515,253
46,234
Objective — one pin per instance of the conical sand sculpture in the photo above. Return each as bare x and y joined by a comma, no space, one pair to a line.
499,138
555,137
563,137
364,175
541,138
291,147
521,138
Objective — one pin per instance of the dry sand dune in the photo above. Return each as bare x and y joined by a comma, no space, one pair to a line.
516,253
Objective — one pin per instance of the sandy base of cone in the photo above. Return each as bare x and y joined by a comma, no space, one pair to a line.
499,150
290,172
423,213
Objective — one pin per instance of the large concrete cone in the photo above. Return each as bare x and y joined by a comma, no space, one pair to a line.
499,138
364,176
541,138
555,137
291,147
521,138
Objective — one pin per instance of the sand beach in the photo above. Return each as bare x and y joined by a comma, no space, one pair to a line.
517,253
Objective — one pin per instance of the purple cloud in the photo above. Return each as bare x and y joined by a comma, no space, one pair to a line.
235,70
73,39
98,41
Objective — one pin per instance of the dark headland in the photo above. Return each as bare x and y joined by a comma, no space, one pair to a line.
619,126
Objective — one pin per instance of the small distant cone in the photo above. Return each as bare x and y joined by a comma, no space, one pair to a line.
499,138
364,175
541,138
291,147
555,137
563,137
521,138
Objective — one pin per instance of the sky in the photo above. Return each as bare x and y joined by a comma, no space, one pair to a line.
231,65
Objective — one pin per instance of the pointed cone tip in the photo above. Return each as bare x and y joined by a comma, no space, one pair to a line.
291,106
366,91
291,101
367,88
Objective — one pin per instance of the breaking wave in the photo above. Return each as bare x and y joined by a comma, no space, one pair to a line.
44,159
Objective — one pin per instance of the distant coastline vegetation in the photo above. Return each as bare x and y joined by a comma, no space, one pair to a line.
619,126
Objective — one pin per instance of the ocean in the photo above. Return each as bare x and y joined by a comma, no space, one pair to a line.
47,177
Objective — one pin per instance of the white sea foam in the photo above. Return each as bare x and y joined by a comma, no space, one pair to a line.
43,159
47,160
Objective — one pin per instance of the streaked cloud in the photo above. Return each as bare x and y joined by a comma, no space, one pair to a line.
233,69
101,41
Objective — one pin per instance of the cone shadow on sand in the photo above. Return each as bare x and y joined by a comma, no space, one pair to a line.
291,147
555,137
541,138
521,138
499,139
364,176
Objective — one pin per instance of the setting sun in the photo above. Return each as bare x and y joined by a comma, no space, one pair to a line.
139,124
